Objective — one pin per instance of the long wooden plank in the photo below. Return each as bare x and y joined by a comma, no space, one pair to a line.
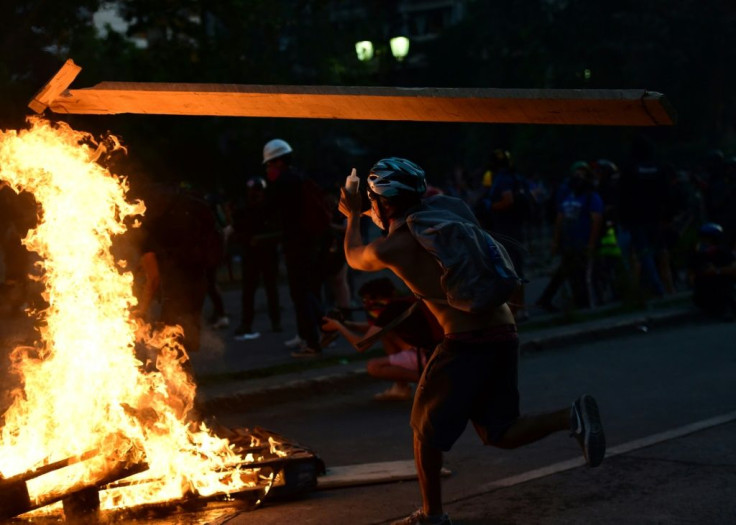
519,106
369,474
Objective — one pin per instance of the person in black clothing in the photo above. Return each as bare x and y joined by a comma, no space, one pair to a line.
178,243
304,218
713,273
408,344
644,205
256,232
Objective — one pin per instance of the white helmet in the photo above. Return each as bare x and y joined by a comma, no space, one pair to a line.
274,149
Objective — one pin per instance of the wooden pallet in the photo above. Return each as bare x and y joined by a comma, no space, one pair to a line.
15,498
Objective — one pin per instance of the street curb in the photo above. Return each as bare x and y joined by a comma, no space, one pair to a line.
283,393
330,382
613,328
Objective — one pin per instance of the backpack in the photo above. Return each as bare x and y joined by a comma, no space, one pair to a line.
477,272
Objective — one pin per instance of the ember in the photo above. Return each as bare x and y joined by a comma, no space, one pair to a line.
89,412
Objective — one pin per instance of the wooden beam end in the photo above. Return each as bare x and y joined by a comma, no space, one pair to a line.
55,87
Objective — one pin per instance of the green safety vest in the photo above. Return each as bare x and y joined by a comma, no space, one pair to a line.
608,244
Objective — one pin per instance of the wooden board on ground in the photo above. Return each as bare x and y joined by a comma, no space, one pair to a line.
369,474
601,107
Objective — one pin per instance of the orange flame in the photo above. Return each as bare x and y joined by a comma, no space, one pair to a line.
83,387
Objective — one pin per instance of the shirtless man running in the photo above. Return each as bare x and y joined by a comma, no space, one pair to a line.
473,374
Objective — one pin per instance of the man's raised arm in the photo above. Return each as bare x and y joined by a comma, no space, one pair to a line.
360,256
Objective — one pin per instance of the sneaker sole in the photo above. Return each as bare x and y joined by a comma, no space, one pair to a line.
594,439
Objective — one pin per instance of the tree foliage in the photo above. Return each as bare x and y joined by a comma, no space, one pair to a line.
683,48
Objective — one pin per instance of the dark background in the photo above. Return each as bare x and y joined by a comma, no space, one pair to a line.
684,49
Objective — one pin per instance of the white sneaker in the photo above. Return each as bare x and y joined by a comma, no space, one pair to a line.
295,342
248,336
221,322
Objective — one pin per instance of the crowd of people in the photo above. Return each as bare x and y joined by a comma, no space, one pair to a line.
605,231
646,227
615,231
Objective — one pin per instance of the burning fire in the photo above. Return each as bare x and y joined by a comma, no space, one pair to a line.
84,392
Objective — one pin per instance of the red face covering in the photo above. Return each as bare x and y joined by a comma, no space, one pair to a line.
374,307
272,172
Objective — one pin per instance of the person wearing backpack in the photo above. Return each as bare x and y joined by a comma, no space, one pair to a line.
473,373
304,218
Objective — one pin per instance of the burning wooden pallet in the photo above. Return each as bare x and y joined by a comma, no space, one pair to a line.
15,498
285,469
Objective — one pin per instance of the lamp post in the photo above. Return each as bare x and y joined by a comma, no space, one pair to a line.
383,70
399,49
364,50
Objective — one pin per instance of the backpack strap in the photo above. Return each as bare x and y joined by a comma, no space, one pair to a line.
437,300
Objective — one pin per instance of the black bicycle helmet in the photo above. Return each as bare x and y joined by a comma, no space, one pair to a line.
394,176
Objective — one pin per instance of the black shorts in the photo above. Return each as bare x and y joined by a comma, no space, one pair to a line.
470,377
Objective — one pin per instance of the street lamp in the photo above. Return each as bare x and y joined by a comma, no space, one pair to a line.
364,50
399,48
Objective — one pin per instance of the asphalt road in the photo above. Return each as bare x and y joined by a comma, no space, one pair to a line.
669,410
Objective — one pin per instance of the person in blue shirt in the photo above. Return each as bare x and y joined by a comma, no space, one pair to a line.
504,210
577,230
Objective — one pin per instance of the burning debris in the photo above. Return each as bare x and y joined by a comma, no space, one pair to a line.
91,426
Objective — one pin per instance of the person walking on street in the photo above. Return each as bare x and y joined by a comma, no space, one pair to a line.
304,218
645,203
505,210
473,373
255,230
178,242
577,231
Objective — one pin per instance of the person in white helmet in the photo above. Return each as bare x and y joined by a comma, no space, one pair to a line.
304,220
473,373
